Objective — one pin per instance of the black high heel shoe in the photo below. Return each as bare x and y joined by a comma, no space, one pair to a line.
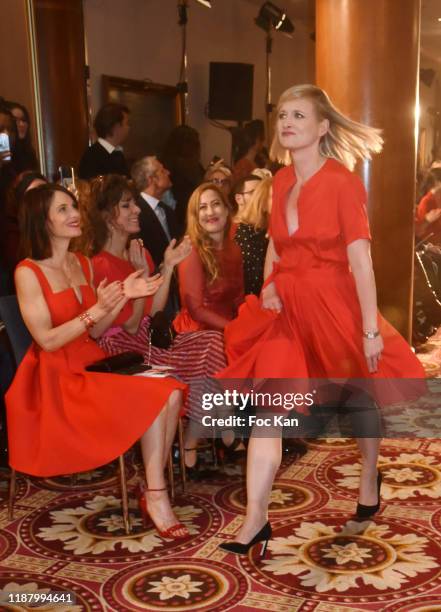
241,549
368,511
229,452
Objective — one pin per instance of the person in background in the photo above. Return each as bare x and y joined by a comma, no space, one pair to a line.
428,212
252,221
25,157
106,156
219,174
244,190
182,157
10,231
157,220
248,142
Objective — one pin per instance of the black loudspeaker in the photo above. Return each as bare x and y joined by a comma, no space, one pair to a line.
231,91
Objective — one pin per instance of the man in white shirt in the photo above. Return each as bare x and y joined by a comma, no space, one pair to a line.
106,156
157,220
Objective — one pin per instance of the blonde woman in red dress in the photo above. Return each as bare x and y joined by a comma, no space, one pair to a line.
61,418
317,315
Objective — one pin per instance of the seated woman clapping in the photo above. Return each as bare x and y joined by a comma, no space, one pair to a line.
62,418
111,219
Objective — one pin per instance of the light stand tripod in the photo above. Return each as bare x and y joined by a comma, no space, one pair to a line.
182,85
269,105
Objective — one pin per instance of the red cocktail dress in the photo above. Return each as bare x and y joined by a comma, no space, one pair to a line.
62,419
318,333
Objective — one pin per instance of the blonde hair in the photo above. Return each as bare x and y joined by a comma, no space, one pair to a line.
256,211
346,140
218,166
199,237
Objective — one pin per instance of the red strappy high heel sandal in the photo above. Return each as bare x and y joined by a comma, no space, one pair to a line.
172,532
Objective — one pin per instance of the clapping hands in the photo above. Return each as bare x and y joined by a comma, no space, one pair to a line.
137,286
137,256
173,254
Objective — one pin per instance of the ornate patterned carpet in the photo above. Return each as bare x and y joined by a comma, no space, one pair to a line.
71,538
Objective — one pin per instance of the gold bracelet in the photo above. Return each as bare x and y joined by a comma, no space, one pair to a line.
86,318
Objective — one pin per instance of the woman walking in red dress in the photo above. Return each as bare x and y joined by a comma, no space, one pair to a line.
317,314
62,418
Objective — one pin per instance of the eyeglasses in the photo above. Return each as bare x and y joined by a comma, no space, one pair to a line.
247,192
220,182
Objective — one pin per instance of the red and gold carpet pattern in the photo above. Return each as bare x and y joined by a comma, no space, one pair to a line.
69,537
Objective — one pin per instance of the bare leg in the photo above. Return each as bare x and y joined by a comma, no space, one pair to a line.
369,449
263,461
173,408
190,446
153,444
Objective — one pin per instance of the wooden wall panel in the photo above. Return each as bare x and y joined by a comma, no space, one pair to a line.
61,68
367,60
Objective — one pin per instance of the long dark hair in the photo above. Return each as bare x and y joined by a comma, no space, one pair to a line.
23,153
35,240
98,206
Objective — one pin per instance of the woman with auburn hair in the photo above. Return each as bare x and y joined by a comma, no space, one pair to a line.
62,418
211,289
252,221
317,315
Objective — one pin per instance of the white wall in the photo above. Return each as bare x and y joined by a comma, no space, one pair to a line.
141,39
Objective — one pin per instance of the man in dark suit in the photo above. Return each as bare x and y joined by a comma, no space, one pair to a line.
106,156
157,220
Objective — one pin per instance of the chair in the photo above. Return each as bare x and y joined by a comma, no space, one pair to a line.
20,340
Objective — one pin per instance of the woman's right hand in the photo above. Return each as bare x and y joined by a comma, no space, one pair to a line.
108,295
271,299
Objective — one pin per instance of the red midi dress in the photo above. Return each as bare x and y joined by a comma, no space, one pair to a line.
318,333
63,419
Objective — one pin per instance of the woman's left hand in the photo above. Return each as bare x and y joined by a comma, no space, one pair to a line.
137,256
373,348
173,254
136,286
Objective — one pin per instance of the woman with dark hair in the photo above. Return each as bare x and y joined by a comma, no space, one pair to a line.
111,220
11,233
182,157
24,157
61,418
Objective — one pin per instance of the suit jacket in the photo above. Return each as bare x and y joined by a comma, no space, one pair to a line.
152,233
97,161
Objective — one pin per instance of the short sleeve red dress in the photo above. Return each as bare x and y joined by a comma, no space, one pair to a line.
63,419
318,333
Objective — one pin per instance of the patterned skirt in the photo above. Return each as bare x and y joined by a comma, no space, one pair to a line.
194,356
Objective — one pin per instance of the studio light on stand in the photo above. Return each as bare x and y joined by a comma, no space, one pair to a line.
182,85
270,18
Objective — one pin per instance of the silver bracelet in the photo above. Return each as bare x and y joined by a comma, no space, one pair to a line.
370,335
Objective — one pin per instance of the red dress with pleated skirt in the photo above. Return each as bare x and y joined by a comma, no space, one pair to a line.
318,333
63,419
